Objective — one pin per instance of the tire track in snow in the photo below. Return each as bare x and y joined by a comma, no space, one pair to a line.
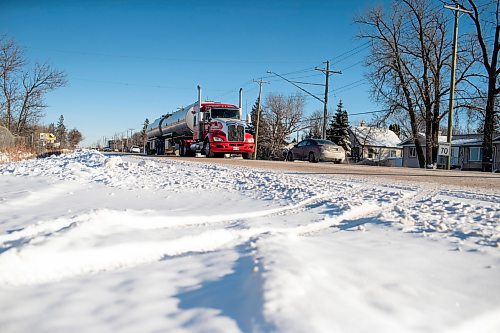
144,220
32,264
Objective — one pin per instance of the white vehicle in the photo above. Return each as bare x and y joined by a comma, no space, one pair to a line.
135,149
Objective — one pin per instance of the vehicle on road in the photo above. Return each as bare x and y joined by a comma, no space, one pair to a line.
135,149
316,150
209,128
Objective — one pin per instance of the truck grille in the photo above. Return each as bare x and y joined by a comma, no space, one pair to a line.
236,133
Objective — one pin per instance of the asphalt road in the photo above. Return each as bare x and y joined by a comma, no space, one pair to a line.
488,181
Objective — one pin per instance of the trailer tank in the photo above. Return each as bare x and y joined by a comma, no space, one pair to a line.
179,123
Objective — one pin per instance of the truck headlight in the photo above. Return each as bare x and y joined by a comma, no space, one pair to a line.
216,138
250,140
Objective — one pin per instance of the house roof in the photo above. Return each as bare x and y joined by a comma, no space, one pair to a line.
456,140
373,136
421,139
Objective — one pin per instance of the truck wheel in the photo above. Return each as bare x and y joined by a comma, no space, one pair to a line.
206,148
247,156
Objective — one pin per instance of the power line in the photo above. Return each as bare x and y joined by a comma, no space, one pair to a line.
188,60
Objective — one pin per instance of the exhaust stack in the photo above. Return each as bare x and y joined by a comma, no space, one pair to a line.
199,120
241,104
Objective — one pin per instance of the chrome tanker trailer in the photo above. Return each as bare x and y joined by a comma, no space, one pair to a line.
210,128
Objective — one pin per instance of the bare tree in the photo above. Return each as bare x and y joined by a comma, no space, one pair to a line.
315,124
281,116
74,137
23,91
11,62
486,19
35,85
409,67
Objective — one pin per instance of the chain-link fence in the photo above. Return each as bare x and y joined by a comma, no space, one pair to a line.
7,140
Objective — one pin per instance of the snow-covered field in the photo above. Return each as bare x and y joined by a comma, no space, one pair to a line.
90,243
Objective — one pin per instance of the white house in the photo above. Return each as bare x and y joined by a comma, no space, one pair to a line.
375,144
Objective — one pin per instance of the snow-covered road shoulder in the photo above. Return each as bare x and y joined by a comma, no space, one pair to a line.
170,245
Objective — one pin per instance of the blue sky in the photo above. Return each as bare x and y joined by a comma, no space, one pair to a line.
131,60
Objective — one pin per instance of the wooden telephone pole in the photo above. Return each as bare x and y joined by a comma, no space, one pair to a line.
456,9
327,73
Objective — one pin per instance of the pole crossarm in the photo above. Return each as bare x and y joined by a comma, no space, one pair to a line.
458,8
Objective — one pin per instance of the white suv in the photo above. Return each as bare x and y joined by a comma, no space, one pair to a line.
135,149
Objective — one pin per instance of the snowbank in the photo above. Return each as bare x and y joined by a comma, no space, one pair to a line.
90,242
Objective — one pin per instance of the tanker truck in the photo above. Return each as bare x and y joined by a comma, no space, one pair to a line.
210,128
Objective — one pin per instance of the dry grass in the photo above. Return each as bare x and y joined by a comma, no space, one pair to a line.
16,153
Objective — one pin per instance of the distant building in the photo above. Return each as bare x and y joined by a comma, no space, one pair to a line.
375,144
466,152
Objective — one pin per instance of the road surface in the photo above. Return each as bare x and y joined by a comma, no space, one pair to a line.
484,180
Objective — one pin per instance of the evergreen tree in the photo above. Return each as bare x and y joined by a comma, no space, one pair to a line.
143,131
253,117
338,131
253,127
61,131
396,129
51,128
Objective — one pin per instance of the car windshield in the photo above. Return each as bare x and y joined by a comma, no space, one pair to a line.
324,142
225,113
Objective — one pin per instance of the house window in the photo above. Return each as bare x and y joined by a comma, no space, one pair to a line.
475,154
413,152
393,153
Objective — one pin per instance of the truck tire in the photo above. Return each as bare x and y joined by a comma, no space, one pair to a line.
247,156
207,150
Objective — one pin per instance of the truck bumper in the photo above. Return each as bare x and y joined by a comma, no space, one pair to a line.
232,147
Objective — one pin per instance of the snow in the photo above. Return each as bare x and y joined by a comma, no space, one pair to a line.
378,137
99,243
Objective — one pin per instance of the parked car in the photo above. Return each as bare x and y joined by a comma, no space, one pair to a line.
315,150
135,149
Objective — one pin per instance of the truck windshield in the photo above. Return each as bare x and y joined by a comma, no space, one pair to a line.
225,113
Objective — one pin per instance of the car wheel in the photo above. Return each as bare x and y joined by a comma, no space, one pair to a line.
289,157
312,158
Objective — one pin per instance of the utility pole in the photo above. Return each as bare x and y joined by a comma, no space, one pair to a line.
256,139
327,73
131,142
456,9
